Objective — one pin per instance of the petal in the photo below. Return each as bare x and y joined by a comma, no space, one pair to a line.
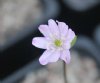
49,56
65,55
63,28
67,45
40,42
54,56
44,29
53,28
70,35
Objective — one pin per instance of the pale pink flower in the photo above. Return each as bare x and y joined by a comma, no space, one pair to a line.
57,42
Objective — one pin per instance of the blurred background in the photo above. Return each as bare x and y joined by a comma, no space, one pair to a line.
19,21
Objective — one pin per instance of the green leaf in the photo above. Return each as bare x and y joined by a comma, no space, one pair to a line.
73,41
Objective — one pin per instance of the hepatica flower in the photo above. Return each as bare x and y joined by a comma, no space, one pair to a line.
57,40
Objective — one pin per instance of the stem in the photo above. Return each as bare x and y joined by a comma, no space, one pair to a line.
64,72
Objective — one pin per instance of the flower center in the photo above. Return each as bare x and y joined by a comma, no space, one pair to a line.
58,43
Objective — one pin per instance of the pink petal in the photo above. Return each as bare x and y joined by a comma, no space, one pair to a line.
63,28
70,35
66,45
40,42
49,56
44,29
65,55
53,28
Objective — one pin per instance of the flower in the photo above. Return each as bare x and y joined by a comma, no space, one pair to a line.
57,42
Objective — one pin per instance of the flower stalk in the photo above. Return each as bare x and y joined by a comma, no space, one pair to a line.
64,72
